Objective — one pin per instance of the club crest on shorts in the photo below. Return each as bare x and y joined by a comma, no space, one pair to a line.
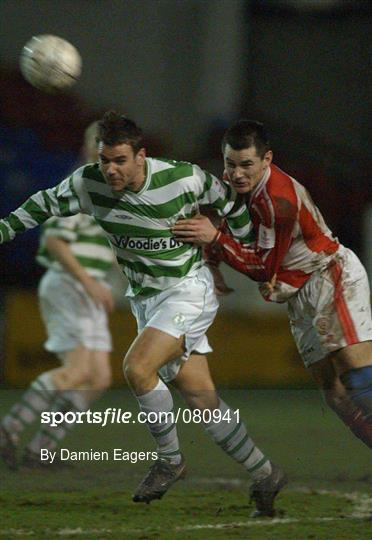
322,325
179,320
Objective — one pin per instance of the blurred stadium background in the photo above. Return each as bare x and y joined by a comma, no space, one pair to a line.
185,69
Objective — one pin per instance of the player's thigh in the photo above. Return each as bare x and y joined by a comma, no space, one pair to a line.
151,349
77,360
332,313
352,357
195,383
179,316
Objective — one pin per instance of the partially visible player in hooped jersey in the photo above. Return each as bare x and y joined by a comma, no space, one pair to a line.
297,260
74,297
136,199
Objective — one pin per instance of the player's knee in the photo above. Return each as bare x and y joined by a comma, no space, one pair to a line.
357,380
135,372
76,376
102,381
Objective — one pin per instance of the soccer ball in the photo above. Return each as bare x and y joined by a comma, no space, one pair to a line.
50,63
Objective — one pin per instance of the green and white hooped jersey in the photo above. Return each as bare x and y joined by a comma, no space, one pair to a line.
87,242
138,225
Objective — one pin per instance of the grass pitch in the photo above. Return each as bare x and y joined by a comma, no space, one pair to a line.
329,495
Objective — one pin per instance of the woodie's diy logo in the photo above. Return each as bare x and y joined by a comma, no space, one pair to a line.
148,244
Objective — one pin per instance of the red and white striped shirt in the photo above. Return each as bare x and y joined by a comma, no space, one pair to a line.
292,239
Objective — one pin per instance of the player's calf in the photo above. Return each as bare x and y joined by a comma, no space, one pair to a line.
351,414
358,385
359,425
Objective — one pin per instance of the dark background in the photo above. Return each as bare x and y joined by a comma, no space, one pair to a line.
184,70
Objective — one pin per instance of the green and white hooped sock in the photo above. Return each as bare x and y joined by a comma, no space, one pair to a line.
50,437
38,398
155,404
231,435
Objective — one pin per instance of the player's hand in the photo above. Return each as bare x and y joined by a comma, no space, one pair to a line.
220,286
100,294
197,230
268,287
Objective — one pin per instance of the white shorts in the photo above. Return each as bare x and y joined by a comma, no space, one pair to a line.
332,310
70,316
188,309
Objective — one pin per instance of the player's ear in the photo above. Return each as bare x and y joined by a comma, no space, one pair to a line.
268,157
140,156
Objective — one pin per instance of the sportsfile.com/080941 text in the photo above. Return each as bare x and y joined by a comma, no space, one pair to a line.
118,416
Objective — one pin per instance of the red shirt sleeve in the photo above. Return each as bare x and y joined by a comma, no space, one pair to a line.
258,263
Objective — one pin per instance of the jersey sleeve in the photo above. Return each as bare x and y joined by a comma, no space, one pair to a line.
222,198
66,199
262,259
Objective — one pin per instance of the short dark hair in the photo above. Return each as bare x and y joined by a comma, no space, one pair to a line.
247,133
115,128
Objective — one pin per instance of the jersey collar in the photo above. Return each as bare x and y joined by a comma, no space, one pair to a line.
147,178
262,182
145,185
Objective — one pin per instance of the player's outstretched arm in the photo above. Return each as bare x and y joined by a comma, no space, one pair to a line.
62,201
31,214
220,245
259,263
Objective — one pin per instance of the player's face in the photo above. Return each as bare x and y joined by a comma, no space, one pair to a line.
122,168
245,168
